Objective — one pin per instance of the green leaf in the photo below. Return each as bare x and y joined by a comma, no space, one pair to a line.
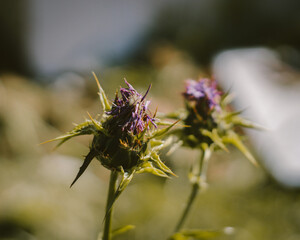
155,157
214,136
122,230
195,234
163,131
117,231
103,99
237,120
235,140
227,98
174,147
178,236
149,168
159,144
97,125
156,142
85,164
85,128
230,115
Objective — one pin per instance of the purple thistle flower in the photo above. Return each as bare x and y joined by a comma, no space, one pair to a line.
130,111
204,90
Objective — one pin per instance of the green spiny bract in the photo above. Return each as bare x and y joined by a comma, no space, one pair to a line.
208,119
126,137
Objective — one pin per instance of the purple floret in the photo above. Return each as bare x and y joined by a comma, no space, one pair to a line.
204,89
132,110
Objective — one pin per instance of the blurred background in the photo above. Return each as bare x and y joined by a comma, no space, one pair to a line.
48,50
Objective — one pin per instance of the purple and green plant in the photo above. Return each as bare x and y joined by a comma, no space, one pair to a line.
210,125
126,140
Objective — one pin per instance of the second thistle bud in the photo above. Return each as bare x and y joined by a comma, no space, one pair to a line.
209,120
202,101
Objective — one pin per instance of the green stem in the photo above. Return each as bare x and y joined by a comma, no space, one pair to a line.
110,195
200,177
194,192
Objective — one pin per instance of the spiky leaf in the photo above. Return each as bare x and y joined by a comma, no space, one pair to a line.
214,136
85,164
103,99
122,230
156,159
85,128
163,131
234,139
150,168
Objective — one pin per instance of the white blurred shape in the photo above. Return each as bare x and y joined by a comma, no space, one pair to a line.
255,78
82,35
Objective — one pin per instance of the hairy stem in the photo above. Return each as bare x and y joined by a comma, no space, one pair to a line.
110,195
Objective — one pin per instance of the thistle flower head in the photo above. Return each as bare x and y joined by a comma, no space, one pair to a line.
203,92
130,111
208,120
125,138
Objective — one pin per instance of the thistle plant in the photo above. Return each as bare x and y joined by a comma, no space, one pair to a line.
126,140
210,125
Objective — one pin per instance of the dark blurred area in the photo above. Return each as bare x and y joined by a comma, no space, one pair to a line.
47,52
13,16
201,28
204,28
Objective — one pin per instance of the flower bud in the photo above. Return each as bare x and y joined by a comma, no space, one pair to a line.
125,137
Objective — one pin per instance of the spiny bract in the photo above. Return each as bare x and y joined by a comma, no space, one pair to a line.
209,121
126,138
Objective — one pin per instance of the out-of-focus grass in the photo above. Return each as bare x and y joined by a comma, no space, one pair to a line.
37,203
